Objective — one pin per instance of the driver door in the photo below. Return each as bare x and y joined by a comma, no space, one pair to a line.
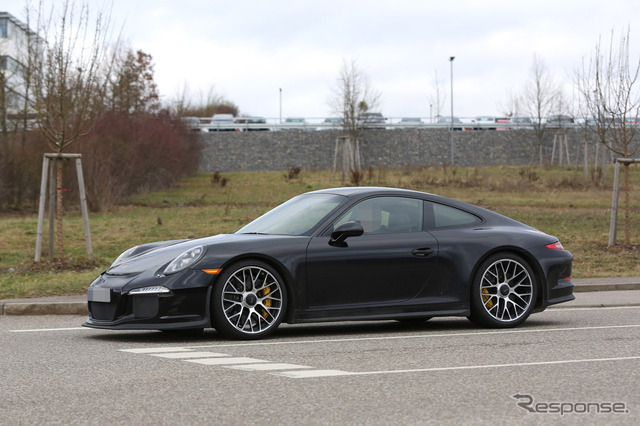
389,264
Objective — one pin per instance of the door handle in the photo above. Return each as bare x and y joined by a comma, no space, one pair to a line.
422,252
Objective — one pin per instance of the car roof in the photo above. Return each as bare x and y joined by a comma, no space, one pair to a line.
361,192
357,192
365,190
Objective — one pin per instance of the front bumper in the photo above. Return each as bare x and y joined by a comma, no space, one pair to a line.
111,306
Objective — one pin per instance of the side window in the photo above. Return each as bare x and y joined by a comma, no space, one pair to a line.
383,215
441,216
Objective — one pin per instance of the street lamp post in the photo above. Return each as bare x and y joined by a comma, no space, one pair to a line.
451,125
281,105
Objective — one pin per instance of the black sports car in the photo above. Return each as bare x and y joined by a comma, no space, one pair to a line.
339,254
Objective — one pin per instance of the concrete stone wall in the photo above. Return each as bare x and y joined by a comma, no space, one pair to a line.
281,150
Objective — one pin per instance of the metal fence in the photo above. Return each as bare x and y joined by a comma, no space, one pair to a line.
390,123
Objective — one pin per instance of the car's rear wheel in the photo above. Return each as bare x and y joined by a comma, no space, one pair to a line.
504,291
249,300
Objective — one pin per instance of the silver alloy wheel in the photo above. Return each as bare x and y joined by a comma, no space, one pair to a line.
506,290
252,300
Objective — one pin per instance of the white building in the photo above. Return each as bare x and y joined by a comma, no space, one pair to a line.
14,38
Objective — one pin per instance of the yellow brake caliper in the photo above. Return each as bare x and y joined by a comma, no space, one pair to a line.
267,302
487,298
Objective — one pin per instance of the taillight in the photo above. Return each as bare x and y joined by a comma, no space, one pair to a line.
555,246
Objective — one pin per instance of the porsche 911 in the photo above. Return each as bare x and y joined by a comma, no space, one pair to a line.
337,255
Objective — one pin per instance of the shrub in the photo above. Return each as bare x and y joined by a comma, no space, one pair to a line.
128,154
20,169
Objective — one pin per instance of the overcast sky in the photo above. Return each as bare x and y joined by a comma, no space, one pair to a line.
249,50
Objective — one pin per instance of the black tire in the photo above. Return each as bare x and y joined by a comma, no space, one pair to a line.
249,300
503,292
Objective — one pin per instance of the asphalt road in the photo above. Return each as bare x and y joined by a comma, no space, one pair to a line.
570,365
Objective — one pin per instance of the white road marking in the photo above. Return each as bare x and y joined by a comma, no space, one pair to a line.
601,308
155,350
268,367
314,373
328,373
37,330
225,361
440,335
186,355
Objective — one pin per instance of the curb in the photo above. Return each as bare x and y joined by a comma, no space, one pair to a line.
584,285
44,308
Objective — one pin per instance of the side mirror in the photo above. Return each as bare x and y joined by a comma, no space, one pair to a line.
344,231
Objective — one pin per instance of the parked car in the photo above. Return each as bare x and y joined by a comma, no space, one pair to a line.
339,254
632,121
559,122
295,123
456,123
410,122
251,124
192,123
222,123
485,122
501,123
331,123
520,123
371,120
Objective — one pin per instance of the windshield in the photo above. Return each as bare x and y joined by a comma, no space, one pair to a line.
298,216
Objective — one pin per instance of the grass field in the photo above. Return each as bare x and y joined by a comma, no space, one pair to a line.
555,200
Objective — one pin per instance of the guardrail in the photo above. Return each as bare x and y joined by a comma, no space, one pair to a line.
270,124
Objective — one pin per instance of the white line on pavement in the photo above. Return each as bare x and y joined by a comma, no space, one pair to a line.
155,350
608,308
419,336
35,330
330,373
186,355
314,373
268,367
225,361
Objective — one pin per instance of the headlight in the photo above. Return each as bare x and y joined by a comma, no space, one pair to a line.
185,260
123,256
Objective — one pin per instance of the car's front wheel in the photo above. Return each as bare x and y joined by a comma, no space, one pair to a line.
503,292
249,300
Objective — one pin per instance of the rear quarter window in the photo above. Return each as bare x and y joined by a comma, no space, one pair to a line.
443,216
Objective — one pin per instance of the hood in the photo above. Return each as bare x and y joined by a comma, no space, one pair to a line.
160,254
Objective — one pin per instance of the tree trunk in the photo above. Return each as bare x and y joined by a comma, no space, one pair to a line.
59,234
540,153
627,231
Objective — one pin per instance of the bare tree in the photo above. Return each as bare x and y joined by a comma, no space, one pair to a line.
511,107
70,74
202,104
352,96
607,83
437,98
539,98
